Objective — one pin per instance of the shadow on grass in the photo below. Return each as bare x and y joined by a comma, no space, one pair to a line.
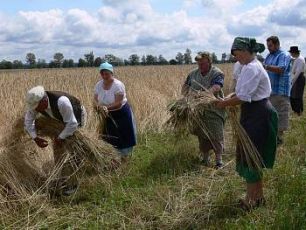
171,164
174,157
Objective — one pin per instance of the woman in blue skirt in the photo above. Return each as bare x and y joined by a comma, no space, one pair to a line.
119,129
258,117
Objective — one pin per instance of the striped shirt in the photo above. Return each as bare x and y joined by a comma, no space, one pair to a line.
280,83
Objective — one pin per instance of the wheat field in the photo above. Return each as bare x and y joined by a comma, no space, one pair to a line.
149,90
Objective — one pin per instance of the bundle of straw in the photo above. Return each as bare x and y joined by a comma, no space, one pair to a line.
250,152
185,114
99,115
83,145
25,167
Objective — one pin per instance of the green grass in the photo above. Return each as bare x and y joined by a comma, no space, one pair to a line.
165,187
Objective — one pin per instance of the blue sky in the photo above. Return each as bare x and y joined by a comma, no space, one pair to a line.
41,5
124,27
161,6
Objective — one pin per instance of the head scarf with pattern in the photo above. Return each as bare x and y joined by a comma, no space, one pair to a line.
245,43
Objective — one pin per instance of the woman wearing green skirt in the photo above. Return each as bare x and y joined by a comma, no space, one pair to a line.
258,117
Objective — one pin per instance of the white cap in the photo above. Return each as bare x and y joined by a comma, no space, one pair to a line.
34,96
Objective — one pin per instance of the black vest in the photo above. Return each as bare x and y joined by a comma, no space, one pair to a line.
53,98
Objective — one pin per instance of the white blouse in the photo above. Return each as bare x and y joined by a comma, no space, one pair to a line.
253,82
107,97
298,67
237,70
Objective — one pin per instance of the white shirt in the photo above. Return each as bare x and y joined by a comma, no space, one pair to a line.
107,97
298,67
65,109
253,82
237,70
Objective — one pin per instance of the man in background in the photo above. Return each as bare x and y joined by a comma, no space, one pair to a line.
277,65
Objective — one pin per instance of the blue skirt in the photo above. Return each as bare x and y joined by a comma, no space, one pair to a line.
119,129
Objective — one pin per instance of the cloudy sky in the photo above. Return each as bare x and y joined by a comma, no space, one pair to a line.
124,27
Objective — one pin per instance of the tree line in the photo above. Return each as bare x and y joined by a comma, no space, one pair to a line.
90,60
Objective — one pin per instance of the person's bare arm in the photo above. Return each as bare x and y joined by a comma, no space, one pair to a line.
274,69
233,101
215,88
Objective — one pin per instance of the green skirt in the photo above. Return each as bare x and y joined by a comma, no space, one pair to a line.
260,121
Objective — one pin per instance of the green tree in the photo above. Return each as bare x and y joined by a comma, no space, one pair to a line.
223,57
82,63
179,58
134,59
65,63
6,64
162,60
151,60
58,59
90,58
31,59
52,64
98,61
232,58
71,63
17,64
41,63
68,63
173,62
112,59
143,60
187,57
214,58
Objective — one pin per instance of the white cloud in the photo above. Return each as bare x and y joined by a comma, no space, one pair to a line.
217,6
221,4
250,23
123,27
38,26
292,14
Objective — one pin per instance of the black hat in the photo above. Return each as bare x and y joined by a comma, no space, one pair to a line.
294,49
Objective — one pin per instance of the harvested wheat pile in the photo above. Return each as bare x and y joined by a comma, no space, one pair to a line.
27,169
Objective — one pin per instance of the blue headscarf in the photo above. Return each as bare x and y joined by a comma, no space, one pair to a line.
106,66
